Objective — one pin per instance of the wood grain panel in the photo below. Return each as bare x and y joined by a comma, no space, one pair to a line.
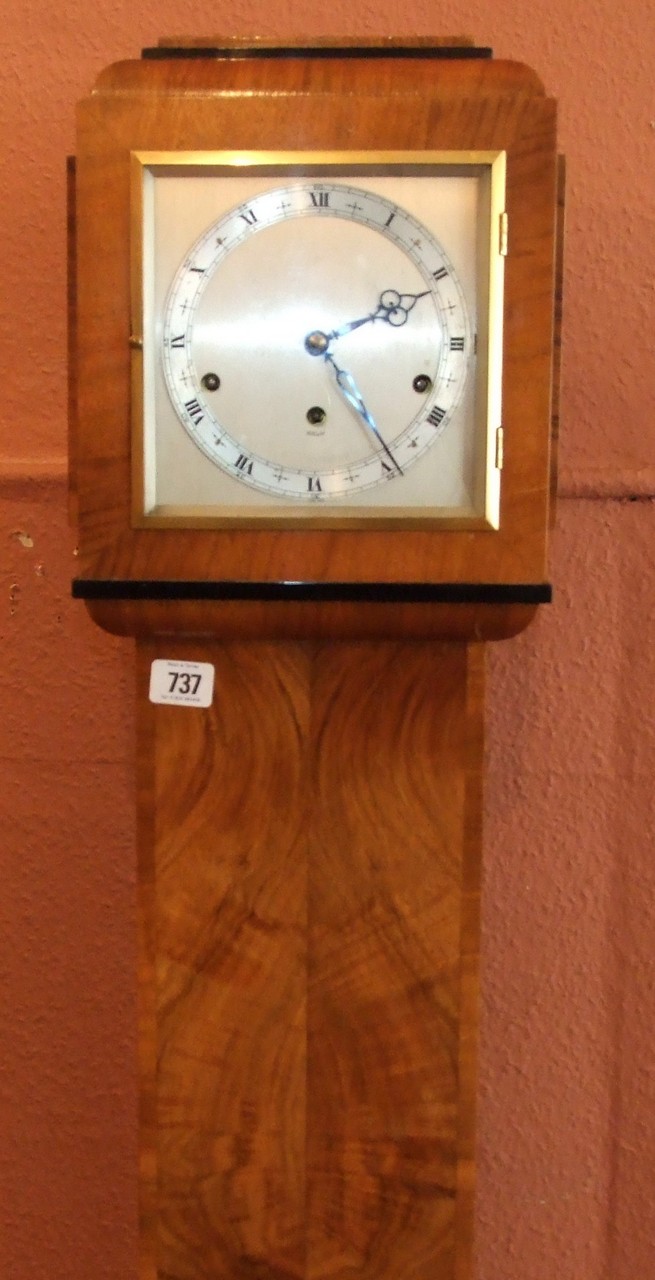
249,620
384,885
230,941
336,76
302,890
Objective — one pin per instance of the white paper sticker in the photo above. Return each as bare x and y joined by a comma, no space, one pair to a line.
182,684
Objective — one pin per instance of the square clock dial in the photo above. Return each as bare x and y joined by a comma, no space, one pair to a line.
317,339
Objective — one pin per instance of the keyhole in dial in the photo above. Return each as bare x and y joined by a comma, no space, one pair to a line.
315,414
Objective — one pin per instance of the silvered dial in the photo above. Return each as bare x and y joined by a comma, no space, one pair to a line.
315,341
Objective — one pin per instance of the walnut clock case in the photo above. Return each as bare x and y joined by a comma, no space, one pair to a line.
313,357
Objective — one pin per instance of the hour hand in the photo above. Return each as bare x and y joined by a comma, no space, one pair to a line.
393,307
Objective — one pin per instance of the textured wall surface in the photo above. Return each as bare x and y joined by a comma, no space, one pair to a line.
567,1091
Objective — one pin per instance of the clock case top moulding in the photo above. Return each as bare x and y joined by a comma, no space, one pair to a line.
239,583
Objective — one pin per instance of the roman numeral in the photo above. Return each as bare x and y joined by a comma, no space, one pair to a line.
244,463
390,218
440,274
249,217
194,410
436,416
178,341
314,484
320,199
456,344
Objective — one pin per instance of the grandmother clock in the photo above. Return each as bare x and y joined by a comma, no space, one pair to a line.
312,386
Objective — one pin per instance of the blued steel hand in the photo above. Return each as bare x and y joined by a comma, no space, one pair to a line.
350,391
392,306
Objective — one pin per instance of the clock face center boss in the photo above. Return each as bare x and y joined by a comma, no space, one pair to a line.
328,271
317,338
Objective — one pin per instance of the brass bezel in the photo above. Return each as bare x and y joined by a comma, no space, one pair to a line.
491,247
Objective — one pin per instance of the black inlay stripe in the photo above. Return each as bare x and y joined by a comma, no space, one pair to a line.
336,592
158,52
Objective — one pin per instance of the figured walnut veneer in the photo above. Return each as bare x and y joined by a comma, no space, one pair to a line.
309,883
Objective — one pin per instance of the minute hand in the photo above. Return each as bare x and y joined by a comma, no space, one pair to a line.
349,389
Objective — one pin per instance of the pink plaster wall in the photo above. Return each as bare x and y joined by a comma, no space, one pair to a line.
567,1091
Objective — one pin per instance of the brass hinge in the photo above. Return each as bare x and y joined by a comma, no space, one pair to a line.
499,448
502,235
